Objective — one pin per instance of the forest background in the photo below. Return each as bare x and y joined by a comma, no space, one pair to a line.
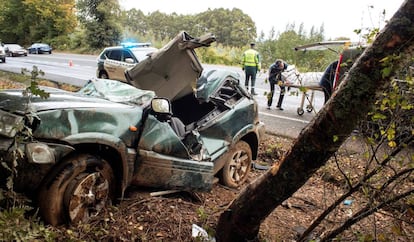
88,26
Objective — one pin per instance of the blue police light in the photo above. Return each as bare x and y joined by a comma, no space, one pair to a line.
135,44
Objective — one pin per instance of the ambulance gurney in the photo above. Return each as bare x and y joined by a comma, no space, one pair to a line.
307,83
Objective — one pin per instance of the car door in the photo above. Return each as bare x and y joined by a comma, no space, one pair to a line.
127,61
112,63
164,161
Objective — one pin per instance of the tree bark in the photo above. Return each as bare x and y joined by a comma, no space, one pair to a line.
321,138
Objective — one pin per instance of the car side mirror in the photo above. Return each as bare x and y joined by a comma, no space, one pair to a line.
161,105
129,60
161,108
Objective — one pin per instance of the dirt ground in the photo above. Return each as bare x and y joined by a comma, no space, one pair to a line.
142,217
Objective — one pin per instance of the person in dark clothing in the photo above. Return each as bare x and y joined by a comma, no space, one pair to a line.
275,77
327,80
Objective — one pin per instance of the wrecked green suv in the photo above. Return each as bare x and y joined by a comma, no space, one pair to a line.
75,152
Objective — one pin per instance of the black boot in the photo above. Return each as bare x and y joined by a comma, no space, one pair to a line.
280,101
253,92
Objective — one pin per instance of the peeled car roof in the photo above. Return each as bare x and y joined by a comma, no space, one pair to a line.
173,70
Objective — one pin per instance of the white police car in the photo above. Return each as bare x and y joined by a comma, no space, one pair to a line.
113,61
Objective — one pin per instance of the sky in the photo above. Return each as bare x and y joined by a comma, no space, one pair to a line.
339,18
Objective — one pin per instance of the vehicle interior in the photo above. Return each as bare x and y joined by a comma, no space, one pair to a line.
194,112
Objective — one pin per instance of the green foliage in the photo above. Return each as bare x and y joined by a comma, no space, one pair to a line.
33,89
202,214
100,23
282,47
31,21
99,18
238,31
231,27
220,55
15,225
392,118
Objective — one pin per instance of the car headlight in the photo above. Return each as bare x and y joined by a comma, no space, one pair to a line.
39,153
9,123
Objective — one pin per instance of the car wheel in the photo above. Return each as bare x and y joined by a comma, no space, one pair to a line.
3,60
103,75
237,167
80,187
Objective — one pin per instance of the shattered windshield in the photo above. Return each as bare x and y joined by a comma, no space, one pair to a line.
117,91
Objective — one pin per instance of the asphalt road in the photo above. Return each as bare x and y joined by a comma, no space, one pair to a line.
77,69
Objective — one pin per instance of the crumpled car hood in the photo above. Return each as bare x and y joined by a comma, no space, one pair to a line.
97,93
173,70
13,101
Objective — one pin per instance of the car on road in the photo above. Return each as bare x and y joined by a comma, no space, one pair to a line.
75,152
2,53
15,50
40,48
113,61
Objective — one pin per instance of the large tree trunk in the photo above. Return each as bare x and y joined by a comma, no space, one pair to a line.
325,134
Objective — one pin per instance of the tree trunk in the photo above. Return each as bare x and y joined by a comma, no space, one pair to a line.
325,134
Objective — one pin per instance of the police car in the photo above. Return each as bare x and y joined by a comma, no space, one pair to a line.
113,61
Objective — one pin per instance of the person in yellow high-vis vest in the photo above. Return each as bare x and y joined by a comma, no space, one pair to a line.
251,65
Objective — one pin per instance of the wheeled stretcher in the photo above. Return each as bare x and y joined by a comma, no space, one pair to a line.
307,83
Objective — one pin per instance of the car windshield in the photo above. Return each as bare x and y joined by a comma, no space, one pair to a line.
14,47
39,45
142,53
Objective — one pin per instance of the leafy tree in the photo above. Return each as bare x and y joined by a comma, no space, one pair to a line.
324,135
282,47
100,21
13,25
135,21
50,18
231,27
36,20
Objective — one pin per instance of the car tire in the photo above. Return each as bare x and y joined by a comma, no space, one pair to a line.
3,60
103,75
76,190
237,167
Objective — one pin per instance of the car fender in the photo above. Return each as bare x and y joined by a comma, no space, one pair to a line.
251,134
126,154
